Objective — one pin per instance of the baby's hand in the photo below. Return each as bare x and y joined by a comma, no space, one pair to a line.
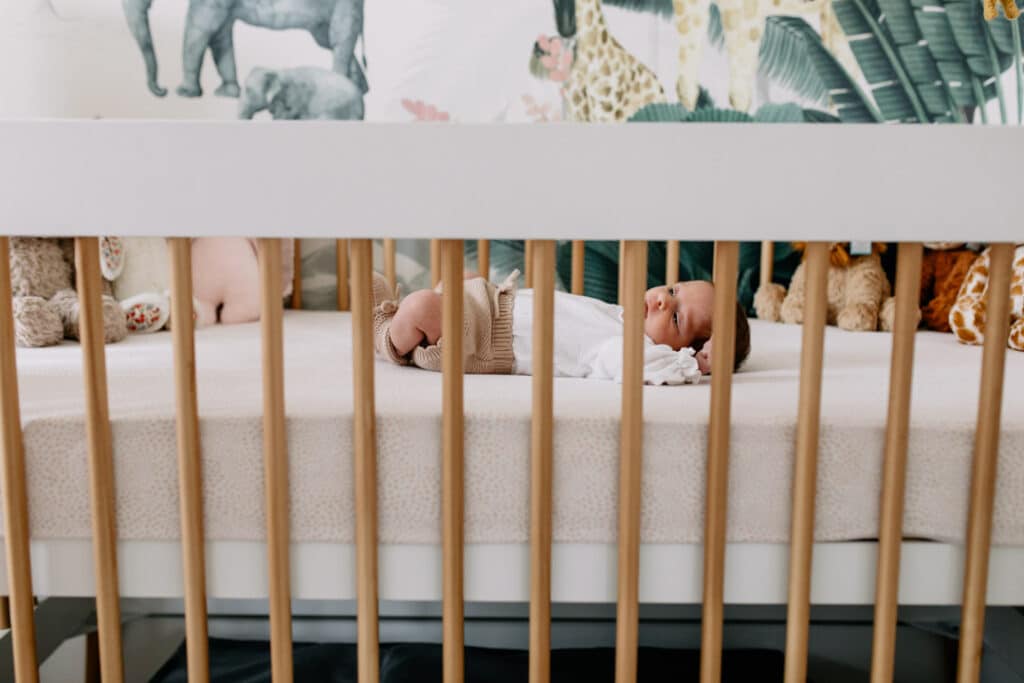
704,358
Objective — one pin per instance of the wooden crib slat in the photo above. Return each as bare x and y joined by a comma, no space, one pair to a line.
341,257
577,266
717,487
634,278
190,481
890,535
390,251
541,460
671,262
483,258
365,442
297,276
985,463
275,461
806,469
101,465
528,264
452,458
12,486
435,262
767,262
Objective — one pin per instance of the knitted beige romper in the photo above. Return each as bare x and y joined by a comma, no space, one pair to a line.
487,330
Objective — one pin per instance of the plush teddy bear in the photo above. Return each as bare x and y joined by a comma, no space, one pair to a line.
859,294
45,303
943,270
967,317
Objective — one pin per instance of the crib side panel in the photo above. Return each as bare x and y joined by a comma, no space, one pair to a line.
101,465
452,470
365,459
190,481
890,535
275,459
984,464
726,269
12,485
806,470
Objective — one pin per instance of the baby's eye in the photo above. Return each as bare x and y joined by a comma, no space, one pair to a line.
671,291
675,319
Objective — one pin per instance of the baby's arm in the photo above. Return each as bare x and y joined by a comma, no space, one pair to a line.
662,364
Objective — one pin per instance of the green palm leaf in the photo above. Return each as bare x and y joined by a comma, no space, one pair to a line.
672,112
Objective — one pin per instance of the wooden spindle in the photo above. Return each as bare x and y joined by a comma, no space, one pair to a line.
275,461
101,465
806,470
13,489
435,262
578,251
341,258
390,255
91,663
633,267
671,262
297,276
767,262
541,460
190,481
985,463
890,535
483,258
365,445
528,264
452,459
5,613
717,486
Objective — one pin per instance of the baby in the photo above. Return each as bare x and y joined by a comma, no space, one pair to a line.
498,331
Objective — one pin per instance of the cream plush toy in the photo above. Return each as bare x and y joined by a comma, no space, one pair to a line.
859,294
225,281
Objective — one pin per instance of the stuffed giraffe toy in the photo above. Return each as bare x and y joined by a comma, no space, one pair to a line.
604,83
967,318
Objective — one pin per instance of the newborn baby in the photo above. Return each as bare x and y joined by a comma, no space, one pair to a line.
498,331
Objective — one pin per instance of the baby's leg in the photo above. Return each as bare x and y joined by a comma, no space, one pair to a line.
416,320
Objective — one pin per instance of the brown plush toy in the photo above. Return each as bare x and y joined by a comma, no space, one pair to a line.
859,294
943,270
44,299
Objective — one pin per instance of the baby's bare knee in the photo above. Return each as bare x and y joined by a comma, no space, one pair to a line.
419,315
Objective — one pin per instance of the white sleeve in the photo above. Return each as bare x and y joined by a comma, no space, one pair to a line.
662,364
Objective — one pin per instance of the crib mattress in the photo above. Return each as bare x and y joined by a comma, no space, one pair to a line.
319,402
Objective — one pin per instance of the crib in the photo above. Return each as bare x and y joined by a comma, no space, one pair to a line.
359,182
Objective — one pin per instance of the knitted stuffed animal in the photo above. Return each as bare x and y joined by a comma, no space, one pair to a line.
44,299
943,270
967,318
859,294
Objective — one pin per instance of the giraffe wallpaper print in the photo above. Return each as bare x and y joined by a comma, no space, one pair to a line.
512,61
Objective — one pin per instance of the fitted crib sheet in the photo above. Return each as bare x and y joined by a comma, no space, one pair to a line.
319,402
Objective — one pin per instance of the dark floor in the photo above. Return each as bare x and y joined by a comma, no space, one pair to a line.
249,662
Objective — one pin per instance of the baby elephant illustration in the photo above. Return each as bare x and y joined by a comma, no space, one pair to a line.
301,93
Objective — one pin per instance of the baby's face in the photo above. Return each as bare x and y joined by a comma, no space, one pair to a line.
679,315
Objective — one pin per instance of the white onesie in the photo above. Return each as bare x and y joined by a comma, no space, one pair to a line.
588,343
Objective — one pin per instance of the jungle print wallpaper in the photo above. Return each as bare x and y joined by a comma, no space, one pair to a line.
511,61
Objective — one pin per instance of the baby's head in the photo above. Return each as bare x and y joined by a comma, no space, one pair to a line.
680,315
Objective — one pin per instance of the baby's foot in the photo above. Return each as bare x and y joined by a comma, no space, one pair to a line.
146,313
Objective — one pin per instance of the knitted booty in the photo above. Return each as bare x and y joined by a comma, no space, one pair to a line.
382,290
382,315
